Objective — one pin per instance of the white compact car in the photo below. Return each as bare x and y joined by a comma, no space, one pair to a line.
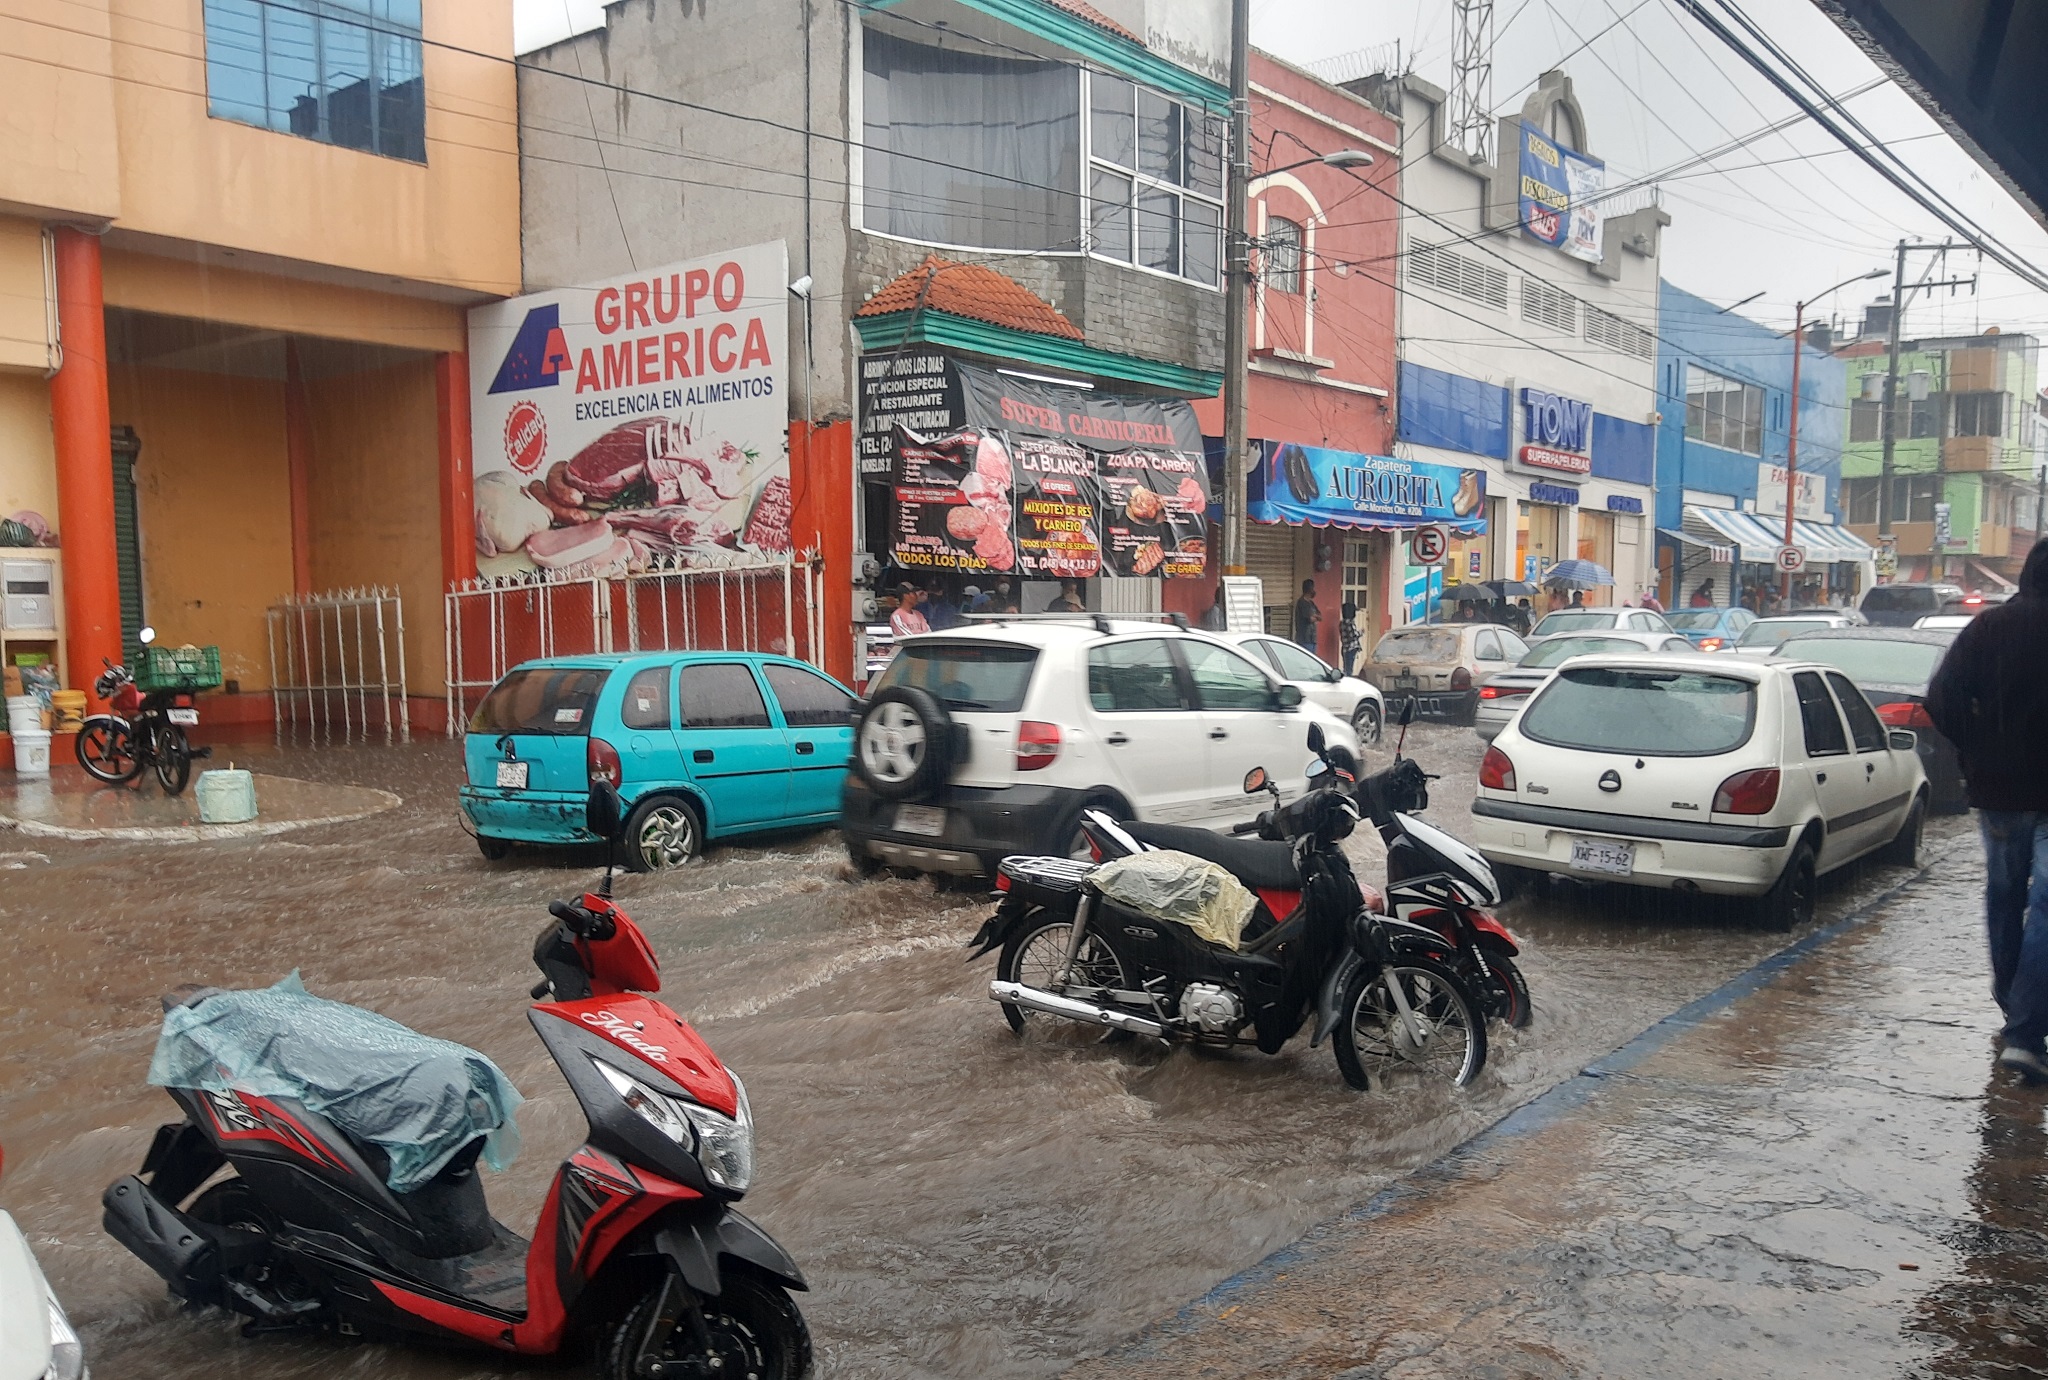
1761,638
989,740
37,1341
1715,774
1501,696
1599,620
1356,701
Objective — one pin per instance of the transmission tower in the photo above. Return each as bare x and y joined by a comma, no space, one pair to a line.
1471,114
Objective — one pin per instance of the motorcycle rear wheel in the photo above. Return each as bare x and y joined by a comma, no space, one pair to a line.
173,759
106,749
755,1330
1372,1040
1032,955
232,1203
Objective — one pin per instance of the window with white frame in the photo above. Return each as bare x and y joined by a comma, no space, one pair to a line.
1723,412
1155,180
1282,251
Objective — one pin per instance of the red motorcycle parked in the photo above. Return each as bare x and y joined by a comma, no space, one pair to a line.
145,730
638,1243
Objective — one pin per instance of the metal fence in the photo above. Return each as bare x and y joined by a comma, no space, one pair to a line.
337,667
496,622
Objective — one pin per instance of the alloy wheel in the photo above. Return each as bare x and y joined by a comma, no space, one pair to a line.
892,743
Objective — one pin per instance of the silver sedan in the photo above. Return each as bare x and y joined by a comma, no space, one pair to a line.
1502,696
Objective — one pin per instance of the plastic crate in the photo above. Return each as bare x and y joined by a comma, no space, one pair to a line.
178,668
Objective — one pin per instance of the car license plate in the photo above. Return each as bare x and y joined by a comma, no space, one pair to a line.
920,819
182,716
1604,855
512,775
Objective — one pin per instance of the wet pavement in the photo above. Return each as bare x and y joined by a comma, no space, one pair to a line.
1813,1172
964,1202
69,804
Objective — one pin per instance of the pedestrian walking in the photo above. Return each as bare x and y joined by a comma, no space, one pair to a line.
1216,618
908,620
1703,597
1989,699
1306,616
1349,639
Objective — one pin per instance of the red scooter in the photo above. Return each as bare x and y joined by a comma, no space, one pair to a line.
638,1246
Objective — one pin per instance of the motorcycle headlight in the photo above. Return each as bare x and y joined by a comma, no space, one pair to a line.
67,1354
723,1145
659,1110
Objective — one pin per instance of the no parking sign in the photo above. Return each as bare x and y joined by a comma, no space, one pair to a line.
1430,544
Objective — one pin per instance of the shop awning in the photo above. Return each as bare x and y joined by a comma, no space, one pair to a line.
1826,543
1752,538
1716,553
1758,538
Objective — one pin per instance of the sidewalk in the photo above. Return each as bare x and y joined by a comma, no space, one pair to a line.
1814,1171
71,805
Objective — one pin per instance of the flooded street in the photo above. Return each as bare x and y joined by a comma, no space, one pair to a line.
962,1202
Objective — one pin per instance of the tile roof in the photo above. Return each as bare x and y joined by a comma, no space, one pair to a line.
1081,9
973,291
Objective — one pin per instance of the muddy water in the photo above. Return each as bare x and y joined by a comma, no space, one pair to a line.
963,1202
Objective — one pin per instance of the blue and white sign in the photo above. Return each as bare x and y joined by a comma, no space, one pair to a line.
1338,488
1560,193
1557,432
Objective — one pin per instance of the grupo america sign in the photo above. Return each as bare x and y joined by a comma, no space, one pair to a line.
637,420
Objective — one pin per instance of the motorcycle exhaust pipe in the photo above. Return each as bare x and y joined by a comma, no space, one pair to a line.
1017,994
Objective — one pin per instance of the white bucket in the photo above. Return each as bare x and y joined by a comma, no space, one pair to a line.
31,753
226,796
24,714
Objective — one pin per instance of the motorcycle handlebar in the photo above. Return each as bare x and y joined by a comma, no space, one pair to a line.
1249,826
575,917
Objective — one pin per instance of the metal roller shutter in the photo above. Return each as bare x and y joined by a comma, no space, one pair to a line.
1269,554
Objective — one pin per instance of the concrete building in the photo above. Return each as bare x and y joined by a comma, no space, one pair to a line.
232,285
1725,389
1528,339
1966,457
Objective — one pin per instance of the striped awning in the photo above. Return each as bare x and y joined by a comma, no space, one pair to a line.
1826,543
1717,554
1758,538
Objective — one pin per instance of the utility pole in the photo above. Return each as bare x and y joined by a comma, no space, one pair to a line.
1891,373
1236,290
1792,436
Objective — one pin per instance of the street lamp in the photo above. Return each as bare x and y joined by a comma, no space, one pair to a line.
1236,362
1792,439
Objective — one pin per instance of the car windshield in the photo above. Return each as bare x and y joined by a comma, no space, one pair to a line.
1769,632
1418,644
1557,650
1696,619
981,676
1650,713
1573,620
1863,660
1898,598
541,699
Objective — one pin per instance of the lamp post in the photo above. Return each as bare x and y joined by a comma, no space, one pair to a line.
1236,352
1792,438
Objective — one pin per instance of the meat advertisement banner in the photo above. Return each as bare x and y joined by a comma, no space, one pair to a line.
1057,483
636,422
912,388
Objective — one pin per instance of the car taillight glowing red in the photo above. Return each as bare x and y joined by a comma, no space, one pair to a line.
1905,714
1748,793
1710,644
1496,771
1461,679
603,760
1488,692
1038,744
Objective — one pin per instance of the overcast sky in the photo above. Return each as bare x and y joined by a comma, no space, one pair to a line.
1657,89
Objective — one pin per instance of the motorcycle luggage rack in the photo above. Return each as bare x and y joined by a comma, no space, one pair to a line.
1049,873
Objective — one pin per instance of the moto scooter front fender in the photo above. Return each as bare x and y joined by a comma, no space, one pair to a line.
699,1240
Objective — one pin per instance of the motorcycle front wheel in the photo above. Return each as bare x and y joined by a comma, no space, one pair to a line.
106,749
173,758
754,1327
1439,1036
1507,996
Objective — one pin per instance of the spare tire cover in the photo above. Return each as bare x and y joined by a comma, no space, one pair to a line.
903,747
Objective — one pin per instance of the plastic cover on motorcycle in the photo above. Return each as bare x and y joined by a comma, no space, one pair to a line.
1182,888
418,1099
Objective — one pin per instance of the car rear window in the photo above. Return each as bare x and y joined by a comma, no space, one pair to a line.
1651,713
1418,644
1555,651
1882,661
1573,620
1769,633
988,677
541,699
1900,598
1696,619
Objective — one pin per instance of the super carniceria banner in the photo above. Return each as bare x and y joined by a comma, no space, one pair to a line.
635,421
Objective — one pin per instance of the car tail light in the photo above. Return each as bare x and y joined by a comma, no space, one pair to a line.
1037,744
1748,793
1710,644
1488,692
1461,679
603,760
1905,714
1002,880
1496,771
1502,692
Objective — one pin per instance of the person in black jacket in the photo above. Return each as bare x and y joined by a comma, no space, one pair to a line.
1990,698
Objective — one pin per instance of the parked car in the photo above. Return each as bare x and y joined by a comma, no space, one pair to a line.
1976,601
1440,665
1761,637
1349,698
1943,622
1710,630
701,746
37,1340
1723,775
1502,695
989,740
1898,606
1893,667
1600,620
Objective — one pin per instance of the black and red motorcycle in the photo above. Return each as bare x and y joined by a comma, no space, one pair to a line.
638,1246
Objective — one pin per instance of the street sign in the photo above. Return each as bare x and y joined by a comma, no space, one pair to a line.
1791,559
1429,544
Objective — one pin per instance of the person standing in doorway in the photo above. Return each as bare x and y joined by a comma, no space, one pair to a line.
1069,600
1216,618
909,618
1989,699
1307,616
1703,597
1349,639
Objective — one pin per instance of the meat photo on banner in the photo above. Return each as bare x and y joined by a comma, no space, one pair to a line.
1155,513
953,502
635,423
1059,509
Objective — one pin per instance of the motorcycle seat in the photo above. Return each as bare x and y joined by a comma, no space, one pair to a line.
1258,863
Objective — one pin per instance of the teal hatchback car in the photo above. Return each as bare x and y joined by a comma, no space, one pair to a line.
701,745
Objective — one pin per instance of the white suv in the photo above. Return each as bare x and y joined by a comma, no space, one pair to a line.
984,741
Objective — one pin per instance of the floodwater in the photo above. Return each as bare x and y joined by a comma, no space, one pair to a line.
962,1201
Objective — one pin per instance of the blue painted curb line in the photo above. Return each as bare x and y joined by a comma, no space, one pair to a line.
1542,1111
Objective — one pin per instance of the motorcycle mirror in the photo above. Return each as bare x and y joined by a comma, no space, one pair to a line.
1407,712
146,636
601,817
1316,741
1255,781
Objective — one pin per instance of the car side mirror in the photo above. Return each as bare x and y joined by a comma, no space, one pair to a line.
601,811
1904,740
1316,741
1287,697
1255,781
